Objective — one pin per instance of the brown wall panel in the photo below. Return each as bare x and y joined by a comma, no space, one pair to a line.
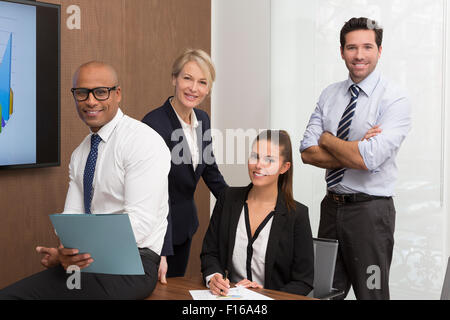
140,38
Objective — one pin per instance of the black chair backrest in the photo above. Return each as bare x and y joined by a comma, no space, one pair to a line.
325,253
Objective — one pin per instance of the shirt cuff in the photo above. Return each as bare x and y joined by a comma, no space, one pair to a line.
363,150
208,278
307,144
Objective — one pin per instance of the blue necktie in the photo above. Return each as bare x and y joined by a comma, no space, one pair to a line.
89,171
335,176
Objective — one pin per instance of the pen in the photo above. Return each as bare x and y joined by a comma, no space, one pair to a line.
225,278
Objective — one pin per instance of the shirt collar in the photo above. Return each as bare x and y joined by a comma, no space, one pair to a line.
368,84
194,121
106,131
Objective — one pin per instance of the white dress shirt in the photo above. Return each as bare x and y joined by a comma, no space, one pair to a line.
131,177
380,102
190,133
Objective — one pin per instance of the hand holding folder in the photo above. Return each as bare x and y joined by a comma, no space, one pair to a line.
66,257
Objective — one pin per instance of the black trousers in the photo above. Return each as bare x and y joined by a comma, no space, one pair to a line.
365,231
51,284
177,263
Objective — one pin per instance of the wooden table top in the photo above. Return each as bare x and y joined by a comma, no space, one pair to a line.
178,289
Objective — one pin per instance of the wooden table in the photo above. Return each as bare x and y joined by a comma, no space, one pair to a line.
178,289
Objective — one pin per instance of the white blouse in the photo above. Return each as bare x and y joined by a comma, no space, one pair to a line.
190,133
249,254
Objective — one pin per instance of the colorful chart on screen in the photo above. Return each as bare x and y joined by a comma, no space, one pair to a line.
17,84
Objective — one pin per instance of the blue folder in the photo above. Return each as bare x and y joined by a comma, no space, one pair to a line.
108,238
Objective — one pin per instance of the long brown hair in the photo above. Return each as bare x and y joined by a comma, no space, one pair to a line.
282,139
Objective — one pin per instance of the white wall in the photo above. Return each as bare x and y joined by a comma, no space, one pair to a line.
414,56
279,88
446,119
240,48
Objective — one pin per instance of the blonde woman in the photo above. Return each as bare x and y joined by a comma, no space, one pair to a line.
186,131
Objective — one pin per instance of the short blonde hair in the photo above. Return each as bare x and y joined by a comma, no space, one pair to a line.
203,60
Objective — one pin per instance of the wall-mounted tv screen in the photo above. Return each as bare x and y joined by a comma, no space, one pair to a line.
29,84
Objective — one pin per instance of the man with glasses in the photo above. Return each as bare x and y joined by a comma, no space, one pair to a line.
122,166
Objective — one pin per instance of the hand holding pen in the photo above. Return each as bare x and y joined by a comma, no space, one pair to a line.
219,284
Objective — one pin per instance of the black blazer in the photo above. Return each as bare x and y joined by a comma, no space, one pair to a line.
183,220
289,262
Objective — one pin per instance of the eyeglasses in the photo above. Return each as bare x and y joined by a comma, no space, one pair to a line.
100,93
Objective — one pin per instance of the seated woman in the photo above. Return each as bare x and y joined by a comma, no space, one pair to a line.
259,236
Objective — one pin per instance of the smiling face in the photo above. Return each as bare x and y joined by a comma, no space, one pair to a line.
191,86
266,163
360,53
93,112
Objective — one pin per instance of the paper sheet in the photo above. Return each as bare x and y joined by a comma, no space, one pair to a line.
237,293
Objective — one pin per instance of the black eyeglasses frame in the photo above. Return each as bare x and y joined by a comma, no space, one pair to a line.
93,92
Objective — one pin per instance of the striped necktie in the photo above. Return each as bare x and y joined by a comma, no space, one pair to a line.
335,176
89,171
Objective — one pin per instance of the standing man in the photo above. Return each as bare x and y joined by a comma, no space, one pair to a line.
122,166
355,133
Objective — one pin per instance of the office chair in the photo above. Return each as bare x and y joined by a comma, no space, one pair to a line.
325,253
445,294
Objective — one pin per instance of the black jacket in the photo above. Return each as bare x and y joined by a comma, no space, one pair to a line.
289,262
183,220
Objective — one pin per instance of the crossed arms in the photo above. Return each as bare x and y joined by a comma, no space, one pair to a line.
366,152
334,153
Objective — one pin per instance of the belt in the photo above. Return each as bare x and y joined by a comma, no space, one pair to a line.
148,253
352,197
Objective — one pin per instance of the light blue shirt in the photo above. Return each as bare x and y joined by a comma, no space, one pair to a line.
379,103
